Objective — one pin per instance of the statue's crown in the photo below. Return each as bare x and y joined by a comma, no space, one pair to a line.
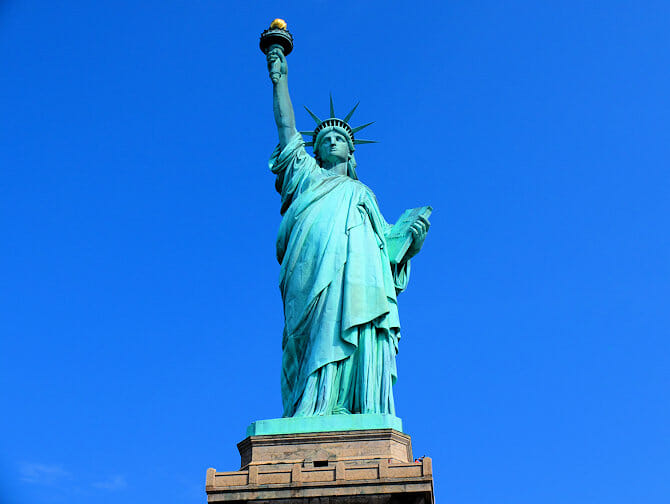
334,122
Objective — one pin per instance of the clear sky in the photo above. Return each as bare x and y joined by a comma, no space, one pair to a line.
140,317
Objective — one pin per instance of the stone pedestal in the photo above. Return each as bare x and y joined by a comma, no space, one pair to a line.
337,467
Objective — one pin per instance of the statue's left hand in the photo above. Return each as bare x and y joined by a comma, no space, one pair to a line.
419,230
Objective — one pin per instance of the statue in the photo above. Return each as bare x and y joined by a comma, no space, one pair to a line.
339,275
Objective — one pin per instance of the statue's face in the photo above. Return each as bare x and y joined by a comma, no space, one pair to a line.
334,148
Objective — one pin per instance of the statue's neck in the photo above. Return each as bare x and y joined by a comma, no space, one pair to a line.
336,168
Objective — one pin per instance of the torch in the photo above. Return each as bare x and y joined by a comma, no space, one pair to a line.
277,36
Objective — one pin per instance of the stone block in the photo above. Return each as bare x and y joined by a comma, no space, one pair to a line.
341,467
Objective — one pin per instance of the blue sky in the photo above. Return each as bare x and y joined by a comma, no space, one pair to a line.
140,318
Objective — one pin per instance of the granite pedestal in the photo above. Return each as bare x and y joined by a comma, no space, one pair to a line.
332,467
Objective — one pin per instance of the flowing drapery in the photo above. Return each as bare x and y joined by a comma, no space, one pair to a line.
339,291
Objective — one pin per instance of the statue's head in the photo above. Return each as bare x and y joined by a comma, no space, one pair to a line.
333,144
333,139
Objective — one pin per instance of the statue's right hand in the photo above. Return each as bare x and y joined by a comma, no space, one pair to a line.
276,64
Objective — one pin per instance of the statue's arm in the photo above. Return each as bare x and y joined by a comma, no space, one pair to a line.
281,100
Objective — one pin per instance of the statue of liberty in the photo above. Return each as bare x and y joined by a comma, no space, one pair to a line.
338,283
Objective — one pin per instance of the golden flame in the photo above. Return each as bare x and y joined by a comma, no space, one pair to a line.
278,23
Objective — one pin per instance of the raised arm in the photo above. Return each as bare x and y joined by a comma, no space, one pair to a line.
281,101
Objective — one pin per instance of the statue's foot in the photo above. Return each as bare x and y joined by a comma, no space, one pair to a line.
339,410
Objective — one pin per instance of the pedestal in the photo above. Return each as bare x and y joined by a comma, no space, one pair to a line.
335,467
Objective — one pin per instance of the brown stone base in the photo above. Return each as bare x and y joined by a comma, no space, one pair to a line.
344,467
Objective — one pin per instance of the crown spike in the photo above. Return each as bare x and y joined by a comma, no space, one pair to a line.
358,142
318,121
309,144
359,128
308,133
332,108
348,116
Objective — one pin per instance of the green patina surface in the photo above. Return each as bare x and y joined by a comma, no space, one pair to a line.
325,423
338,283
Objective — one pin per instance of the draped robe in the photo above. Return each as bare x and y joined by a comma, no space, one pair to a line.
339,291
